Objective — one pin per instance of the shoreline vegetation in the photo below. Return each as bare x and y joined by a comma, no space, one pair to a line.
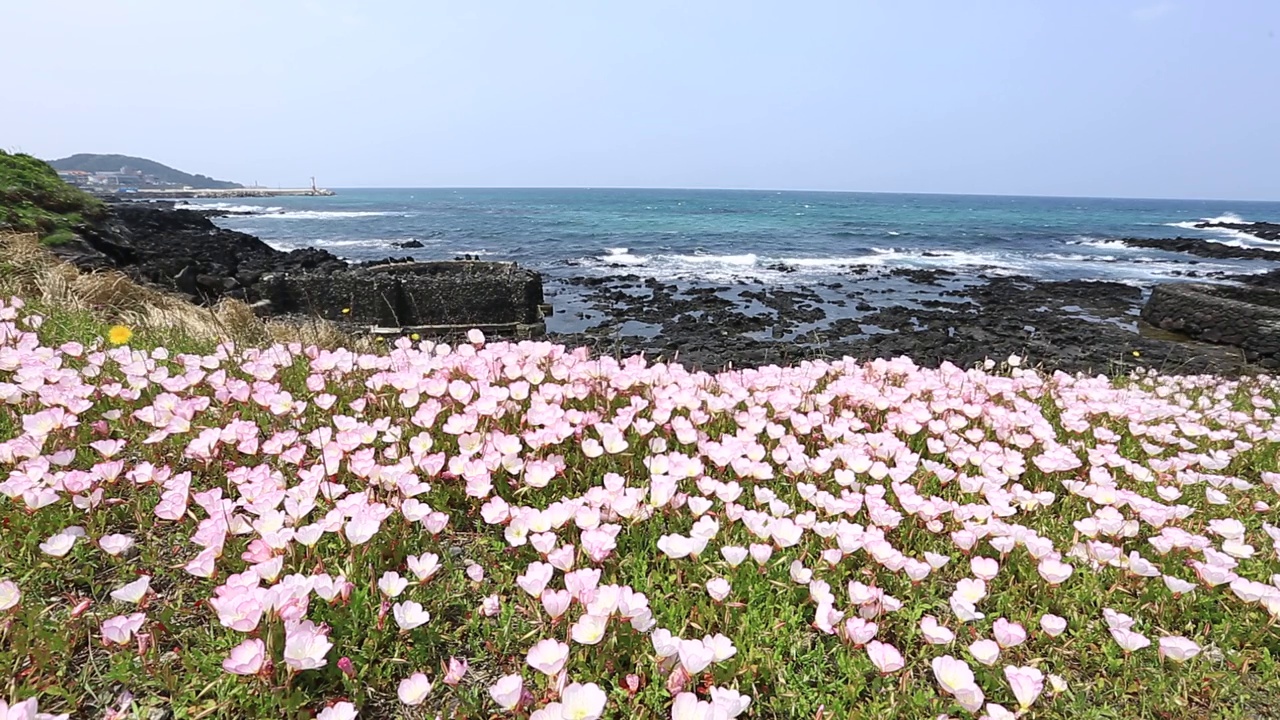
210,513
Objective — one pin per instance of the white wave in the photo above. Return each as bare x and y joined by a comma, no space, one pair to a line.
330,214
748,259
1100,243
622,256
477,253
1235,238
1072,257
822,262
1227,218
227,207
363,242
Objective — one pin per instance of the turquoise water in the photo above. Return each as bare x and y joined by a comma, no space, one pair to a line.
746,238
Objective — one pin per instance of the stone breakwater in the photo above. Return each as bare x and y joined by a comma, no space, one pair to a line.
183,251
1248,318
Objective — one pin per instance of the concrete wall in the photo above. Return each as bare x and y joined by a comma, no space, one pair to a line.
413,294
1248,318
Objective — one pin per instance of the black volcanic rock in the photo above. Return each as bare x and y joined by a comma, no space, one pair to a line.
1203,248
1261,230
182,250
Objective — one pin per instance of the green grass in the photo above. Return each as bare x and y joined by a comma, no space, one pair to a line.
790,670
34,199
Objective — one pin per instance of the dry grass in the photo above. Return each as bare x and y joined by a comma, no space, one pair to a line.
30,271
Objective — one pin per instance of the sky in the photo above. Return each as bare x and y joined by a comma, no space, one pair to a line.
1098,98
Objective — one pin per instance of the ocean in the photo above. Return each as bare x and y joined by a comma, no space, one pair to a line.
730,238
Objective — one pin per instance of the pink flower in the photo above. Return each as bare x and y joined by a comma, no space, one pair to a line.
338,711
535,578
582,702
695,656
456,670
1008,634
1129,640
1052,625
10,595
885,657
414,689
1177,648
506,691
119,630
391,584
984,568
305,646
935,634
548,657
490,606
409,615
346,667
133,592
424,566
1026,682
589,630
115,544
28,709
729,703
733,554
687,706
1054,572
985,651
246,658
718,589
58,545
955,677
859,631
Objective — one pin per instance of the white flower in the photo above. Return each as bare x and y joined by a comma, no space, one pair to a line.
414,689
58,545
391,584
9,595
410,615
134,591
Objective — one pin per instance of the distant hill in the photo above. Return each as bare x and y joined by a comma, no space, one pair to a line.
90,162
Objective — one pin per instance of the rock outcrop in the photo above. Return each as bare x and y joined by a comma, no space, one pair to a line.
1247,318
182,250
1260,230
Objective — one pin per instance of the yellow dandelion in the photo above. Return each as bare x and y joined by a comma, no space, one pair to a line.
1137,354
415,337
119,334
346,311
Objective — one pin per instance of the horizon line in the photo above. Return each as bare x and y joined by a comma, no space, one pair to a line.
792,190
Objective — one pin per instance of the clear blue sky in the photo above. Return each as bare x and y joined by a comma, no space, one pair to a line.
1148,98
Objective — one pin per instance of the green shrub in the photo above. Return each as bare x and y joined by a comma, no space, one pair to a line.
34,199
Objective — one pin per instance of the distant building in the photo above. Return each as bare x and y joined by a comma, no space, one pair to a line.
125,179
78,178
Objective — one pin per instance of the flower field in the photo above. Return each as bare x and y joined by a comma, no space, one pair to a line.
520,530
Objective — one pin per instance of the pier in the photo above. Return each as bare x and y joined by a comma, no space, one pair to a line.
230,193
249,192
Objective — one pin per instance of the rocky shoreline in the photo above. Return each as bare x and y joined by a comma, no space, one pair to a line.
934,316
1073,326
183,251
